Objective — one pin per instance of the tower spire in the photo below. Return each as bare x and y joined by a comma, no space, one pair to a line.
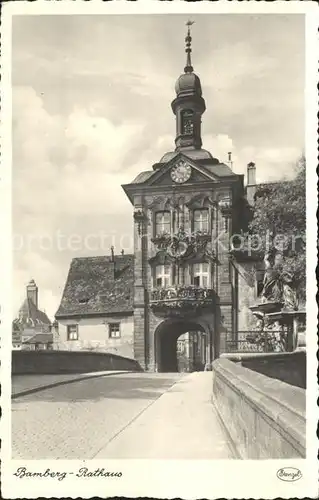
188,39
189,105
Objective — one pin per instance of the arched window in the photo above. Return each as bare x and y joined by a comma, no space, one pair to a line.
187,121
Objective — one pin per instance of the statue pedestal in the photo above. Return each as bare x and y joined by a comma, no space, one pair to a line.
266,308
290,319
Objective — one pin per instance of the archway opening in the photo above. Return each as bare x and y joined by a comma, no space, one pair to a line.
180,346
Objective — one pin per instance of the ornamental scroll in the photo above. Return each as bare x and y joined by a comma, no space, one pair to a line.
183,245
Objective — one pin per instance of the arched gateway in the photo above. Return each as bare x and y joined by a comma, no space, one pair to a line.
184,310
186,208
166,337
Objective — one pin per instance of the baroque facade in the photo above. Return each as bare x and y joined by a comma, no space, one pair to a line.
185,211
182,278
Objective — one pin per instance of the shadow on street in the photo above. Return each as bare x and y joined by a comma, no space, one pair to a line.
128,386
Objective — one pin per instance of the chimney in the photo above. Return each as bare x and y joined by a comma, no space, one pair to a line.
110,269
251,183
32,292
230,161
251,174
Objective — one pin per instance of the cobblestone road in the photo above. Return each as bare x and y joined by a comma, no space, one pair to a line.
75,421
134,415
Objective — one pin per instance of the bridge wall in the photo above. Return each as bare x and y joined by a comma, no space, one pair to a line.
264,417
53,362
289,367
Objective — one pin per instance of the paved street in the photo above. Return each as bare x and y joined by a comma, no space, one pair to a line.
133,415
22,384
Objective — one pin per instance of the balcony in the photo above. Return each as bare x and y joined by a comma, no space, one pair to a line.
181,300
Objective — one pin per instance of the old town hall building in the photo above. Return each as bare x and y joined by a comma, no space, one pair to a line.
181,277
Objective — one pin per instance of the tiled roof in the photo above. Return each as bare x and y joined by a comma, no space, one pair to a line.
220,170
211,165
30,315
40,338
97,285
193,154
142,177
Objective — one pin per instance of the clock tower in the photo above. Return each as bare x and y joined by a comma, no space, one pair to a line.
185,210
189,105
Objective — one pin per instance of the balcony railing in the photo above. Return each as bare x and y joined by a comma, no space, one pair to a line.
254,342
180,299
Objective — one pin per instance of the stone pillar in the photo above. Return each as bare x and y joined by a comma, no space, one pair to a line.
139,325
140,347
223,276
292,334
295,332
154,354
208,323
226,326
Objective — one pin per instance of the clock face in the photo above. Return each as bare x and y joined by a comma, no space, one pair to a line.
181,172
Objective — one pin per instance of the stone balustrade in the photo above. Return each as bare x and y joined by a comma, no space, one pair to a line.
181,299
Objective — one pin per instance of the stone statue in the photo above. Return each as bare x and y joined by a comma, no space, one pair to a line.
278,284
272,289
289,293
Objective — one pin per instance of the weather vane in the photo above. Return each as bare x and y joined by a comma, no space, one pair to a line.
188,68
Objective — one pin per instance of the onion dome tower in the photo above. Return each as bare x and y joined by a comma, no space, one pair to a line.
189,105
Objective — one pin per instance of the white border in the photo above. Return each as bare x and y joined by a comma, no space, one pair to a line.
162,479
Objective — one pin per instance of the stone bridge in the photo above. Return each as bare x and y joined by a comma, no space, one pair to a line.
231,412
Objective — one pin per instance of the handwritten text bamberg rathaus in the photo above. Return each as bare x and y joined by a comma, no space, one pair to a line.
83,472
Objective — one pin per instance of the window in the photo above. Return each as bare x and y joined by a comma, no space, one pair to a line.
114,331
162,222
163,275
201,274
187,122
72,332
201,220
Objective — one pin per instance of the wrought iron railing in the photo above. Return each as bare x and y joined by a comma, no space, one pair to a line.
180,298
186,292
258,342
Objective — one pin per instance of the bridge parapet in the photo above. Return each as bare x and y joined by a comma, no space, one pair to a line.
54,362
264,417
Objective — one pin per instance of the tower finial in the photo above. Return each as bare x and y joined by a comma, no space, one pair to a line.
188,39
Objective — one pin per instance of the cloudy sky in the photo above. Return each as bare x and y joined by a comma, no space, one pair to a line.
91,109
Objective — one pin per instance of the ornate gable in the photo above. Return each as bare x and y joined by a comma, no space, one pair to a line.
180,171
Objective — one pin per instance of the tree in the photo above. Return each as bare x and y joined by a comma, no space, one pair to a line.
279,224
